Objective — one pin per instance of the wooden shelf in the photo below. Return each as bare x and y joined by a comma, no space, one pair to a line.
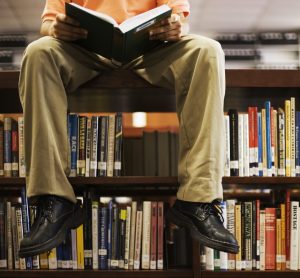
253,273
172,273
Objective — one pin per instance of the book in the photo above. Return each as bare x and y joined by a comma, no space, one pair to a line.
138,239
93,146
102,148
87,230
111,145
80,247
95,248
132,234
262,242
160,235
88,146
7,147
1,148
22,168
270,241
82,124
103,233
294,236
119,42
14,149
127,237
73,141
234,144
9,245
3,255
153,246
146,235
118,145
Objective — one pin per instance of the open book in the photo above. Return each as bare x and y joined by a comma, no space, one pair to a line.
120,43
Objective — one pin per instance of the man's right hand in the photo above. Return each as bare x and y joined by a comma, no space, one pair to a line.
66,28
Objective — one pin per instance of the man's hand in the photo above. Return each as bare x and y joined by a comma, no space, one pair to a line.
170,29
66,28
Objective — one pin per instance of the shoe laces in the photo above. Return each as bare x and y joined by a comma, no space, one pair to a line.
213,208
47,209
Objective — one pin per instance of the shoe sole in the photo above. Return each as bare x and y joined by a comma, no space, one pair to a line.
70,223
181,220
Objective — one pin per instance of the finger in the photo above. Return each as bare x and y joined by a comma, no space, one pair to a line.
69,28
166,36
165,29
66,19
65,35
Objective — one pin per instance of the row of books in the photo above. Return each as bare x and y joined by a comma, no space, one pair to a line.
263,143
268,237
114,236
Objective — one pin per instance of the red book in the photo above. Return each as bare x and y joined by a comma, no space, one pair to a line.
253,141
270,226
288,227
160,235
153,246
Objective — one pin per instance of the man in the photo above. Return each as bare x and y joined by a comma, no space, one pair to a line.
193,65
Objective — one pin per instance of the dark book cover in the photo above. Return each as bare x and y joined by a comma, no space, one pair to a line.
73,138
7,147
234,143
103,236
243,241
122,234
115,251
102,146
59,256
3,255
163,154
82,124
109,233
183,247
121,43
254,238
1,148
137,157
87,229
127,157
150,153
94,147
14,148
173,154
248,234
118,145
153,238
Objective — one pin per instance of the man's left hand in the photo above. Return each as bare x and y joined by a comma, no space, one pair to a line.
169,29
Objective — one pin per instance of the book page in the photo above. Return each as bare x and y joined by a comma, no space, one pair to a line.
103,16
137,20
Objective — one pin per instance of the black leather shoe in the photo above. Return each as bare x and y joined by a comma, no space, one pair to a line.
56,216
205,223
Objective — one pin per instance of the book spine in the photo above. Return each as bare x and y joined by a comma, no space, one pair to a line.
14,149
227,147
95,247
278,239
20,235
3,255
238,235
122,234
8,231
209,253
1,149
294,236
103,141
146,233
262,240
81,146
241,144
88,146
270,228
111,145
246,145
257,203
251,115
223,255
248,234
87,230
22,168
52,259
260,145
231,228
132,234
127,237
281,142
153,246
138,240
297,143
264,142
114,263
80,247
288,138
7,147
118,145
59,256
16,258
94,147
243,239
254,228
234,147
268,137
283,239
73,135
103,233
274,148
160,235
74,249
44,261
293,143
288,227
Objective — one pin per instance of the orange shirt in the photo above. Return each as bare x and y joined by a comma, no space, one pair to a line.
120,10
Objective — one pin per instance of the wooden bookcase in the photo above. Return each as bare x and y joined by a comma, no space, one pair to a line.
125,92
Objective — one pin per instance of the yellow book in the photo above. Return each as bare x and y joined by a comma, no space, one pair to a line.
80,249
264,141
293,137
52,259
238,235
283,231
287,106
44,261
278,244
275,138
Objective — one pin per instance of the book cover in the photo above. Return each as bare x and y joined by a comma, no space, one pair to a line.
146,235
278,239
88,146
163,150
238,235
270,234
294,236
80,247
223,255
94,147
118,145
262,240
8,232
1,148
268,137
254,229
14,149
95,248
274,149
102,148
281,142
52,259
7,147
22,168
121,43
74,248
20,234
122,235
103,234
253,141
246,165
231,228
297,144
16,259
82,123
264,142
87,229
153,244
3,255
248,235
127,237
260,145
174,154
287,106
209,253
111,145
234,142
150,153
73,137
227,147
293,136
241,144
132,234
115,243
160,235
138,239
257,204
288,227
283,236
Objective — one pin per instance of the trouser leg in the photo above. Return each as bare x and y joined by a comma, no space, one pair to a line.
194,66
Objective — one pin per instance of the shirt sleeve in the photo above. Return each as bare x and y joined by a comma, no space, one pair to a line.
178,6
52,8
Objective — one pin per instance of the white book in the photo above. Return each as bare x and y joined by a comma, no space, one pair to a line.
227,147
132,234
293,137
88,146
209,254
74,248
146,232
241,145
262,232
95,248
230,208
138,240
94,146
246,146
294,245
127,237
298,238
224,255
22,168
8,239
20,235
111,145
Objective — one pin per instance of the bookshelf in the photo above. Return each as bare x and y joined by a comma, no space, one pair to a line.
121,92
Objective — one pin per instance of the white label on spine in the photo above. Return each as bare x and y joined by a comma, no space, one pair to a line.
117,165
288,162
114,263
234,164
94,165
102,252
153,265
136,265
15,166
102,165
7,166
160,264
80,163
88,253
3,263
1,172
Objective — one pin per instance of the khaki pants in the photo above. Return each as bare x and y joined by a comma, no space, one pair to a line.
194,66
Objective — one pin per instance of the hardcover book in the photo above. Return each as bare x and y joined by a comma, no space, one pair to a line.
119,42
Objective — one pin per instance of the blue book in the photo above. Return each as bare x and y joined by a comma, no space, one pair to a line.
109,233
25,221
59,256
73,139
103,237
259,133
297,143
268,135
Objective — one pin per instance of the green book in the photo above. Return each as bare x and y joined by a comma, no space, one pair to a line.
119,42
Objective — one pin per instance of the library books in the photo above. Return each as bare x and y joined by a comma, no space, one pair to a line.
119,42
